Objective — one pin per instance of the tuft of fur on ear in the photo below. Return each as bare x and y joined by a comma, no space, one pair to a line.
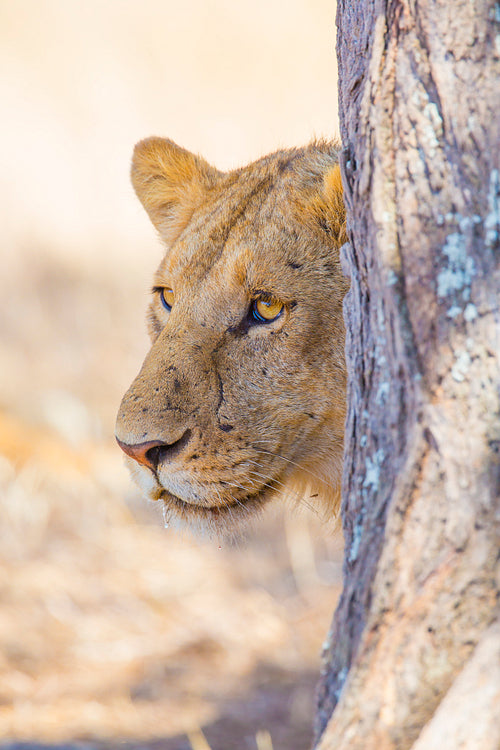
328,205
170,182
320,201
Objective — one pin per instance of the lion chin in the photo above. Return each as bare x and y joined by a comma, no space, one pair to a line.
241,397
212,516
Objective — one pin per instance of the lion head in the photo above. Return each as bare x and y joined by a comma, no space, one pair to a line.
242,394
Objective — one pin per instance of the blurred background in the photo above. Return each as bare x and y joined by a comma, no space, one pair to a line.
116,632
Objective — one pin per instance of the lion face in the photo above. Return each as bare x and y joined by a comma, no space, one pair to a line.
243,390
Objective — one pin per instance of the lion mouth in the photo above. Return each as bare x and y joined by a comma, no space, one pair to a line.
212,517
224,516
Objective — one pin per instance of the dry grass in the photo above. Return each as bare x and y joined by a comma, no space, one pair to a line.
114,630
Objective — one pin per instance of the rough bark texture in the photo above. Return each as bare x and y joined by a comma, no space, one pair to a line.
413,657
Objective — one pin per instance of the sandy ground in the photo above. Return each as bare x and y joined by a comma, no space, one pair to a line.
114,631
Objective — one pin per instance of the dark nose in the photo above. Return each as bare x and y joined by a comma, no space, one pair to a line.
152,452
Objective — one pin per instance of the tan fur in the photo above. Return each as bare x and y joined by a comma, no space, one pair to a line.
264,403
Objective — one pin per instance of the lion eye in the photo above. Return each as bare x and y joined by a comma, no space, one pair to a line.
167,297
266,310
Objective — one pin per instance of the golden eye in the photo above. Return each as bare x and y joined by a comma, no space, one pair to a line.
266,310
167,297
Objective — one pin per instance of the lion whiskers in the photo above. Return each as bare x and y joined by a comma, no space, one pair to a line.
286,492
294,463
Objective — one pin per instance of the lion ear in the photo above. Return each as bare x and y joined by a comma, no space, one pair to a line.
327,205
170,182
321,200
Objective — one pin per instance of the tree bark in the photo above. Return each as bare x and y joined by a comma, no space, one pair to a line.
413,656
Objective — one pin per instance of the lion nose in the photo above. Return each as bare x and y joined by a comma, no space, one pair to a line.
151,452
147,454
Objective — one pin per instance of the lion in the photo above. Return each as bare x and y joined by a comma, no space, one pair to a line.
241,397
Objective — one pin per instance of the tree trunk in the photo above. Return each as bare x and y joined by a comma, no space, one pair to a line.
413,657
